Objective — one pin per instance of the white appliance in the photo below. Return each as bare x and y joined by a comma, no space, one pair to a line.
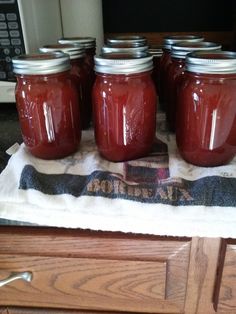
83,18
26,25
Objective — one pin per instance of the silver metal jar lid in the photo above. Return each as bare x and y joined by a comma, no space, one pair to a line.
41,63
107,49
74,51
180,50
127,41
217,62
174,39
155,51
123,63
86,42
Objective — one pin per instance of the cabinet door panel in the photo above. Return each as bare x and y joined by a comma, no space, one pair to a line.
94,284
90,272
86,283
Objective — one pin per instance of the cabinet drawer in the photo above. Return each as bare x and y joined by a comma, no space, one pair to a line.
227,293
98,274
85,283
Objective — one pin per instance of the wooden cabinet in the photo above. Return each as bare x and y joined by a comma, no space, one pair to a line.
14,310
226,295
94,271
77,271
90,283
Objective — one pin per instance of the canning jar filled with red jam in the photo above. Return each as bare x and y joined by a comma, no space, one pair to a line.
175,73
47,104
127,41
206,116
81,76
156,52
89,44
124,106
166,60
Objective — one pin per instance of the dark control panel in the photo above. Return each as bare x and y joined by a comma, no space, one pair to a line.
11,37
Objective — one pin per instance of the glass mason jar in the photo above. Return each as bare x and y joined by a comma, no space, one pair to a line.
156,52
81,76
126,41
89,44
124,106
166,61
47,103
175,73
206,116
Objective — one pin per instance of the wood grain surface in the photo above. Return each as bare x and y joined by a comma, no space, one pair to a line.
201,276
227,294
85,283
94,272
74,243
14,310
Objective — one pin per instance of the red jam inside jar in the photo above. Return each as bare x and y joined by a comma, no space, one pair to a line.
175,74
164,64
124,106
81,75
206,116
166,61
89,57
47,103
156,52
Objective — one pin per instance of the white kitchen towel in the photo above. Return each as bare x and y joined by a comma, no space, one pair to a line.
139,196
181,169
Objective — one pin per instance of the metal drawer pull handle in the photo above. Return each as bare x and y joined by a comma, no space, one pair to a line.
26,276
